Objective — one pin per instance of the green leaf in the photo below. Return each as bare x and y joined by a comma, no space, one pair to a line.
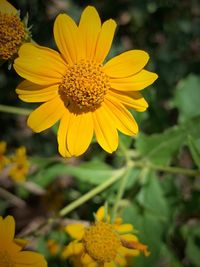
187,97
151,198
93,172
194,151
160,148
193,246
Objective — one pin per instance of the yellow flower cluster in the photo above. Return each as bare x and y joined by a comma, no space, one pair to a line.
17,165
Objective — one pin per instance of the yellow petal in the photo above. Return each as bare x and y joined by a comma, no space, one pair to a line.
121,261
129,237
76,231
46,115
126,64
73,248
66,37
100,214
80,133
105,40
86,259
124,228
128,252
109,264
21,242
28,258
121,117
62,134
31,92
40,65
130,99
89,29
7,231
134,83
7,8
106,132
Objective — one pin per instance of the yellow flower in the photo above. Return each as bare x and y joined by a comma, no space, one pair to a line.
85,95
3,159
20,165
11,253
12,31
103,244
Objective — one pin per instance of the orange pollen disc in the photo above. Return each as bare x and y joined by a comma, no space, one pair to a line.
12,33
84,85
5,260
101,242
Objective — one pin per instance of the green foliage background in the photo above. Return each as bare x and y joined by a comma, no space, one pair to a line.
163,205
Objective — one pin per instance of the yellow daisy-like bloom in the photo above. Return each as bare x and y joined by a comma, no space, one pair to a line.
11,250
3,159
85,95
103,244
12,30
20,165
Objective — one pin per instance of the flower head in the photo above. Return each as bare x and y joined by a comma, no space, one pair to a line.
11,250
20,165
13,31
103,244
87,96
4,160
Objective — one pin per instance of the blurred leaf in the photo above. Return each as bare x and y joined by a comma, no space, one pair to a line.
194,151
187,97
152,199
160,148
193,246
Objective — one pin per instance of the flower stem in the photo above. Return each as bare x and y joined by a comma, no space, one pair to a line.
175,170
120,192
15,110
73,205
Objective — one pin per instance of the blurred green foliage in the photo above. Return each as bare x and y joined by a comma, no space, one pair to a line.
164,207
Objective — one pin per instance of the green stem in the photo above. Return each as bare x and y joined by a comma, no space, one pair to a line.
120,192
175,170
93,192
15,110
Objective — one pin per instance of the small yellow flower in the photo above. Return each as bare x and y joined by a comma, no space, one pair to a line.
13,31
87,96
53,247
11,253
3,159
103,244
20,165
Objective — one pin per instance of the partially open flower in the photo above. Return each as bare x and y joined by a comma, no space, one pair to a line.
103,244
13,31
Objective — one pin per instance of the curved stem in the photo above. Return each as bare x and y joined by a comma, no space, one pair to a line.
73,205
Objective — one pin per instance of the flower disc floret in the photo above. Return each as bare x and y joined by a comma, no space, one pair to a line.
101,242
84,85
12,33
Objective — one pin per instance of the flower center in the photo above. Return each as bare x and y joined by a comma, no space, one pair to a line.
84,86
5,260
11,35
101,242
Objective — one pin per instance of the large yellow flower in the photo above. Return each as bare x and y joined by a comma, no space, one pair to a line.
102,244
12,30
11,253
85,95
